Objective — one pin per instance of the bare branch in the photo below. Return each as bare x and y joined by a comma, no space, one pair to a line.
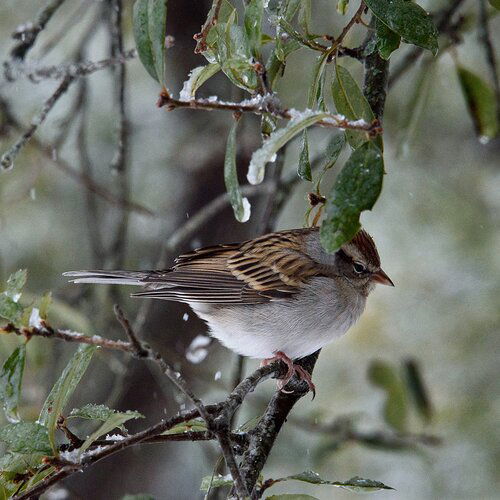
27,33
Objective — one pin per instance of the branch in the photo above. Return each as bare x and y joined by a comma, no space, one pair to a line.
27,33
260,105
7,160
76,69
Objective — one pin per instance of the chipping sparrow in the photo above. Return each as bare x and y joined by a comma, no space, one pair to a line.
277,296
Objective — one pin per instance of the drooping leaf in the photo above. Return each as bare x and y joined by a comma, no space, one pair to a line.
216,481
481,103
114,420
64,388
253,25
277,140
357,484
408,20
333,150
418,390
350,102
13,463
26,437
356,189
11,378
387,40
241,206
197,77
149,23
315,96
395,408
304,169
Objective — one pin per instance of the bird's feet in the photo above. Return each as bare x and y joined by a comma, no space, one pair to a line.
292,370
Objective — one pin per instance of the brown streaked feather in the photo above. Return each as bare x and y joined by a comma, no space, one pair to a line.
367,247
271,267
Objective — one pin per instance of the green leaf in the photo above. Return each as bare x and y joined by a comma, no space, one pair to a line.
229,47
408,20
15,283
11,378
481,103
333,150
315,96
350,102
417,389
138,496
13,463
99,412
395,408
356,189
194,425
149,23
305,16
64,388
357,484
278,139
26,437
217,481
387,40
304,169
495,4
253,26
342,6
44,305
241,206
197,77
114,420
10,309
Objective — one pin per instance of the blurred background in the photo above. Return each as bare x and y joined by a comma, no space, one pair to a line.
437,226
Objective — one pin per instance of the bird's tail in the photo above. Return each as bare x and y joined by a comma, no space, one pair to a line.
108,277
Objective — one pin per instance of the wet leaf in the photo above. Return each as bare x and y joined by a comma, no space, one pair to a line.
387,40
395,407
356,189
304,169
241,206
10,309
99,412
277,140
26,437
481,103
315,96
216,481
350,102
253,25
149,23
408,20
342,6
15,283
114,420
357,484
11,378
64,388
197,77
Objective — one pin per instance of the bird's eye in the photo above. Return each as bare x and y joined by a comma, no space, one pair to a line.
358,267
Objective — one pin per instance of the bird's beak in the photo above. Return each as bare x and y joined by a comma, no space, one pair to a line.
382,278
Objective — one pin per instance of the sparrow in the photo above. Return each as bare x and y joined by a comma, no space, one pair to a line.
278,296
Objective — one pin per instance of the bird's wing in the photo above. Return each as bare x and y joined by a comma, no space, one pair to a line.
271,267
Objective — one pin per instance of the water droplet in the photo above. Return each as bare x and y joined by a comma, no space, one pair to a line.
217,375
7,162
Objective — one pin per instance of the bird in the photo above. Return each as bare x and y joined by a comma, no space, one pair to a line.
278,296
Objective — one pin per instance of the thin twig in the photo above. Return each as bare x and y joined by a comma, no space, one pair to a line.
7,160
65,167
201,37
27,33
76,69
